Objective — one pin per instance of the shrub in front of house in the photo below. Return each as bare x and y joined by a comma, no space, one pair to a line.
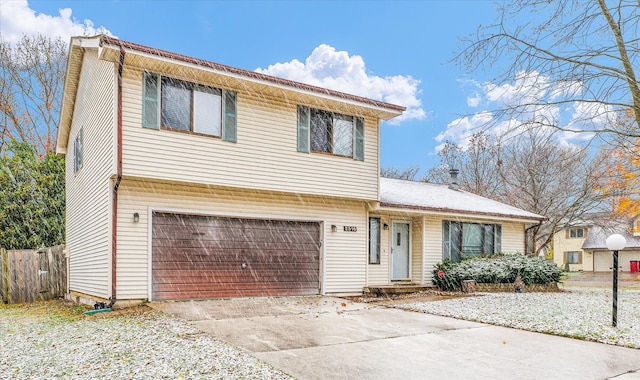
499,269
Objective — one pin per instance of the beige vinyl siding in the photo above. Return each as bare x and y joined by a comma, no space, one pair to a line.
432,244
378,274
264,158
563,243
417,249
88,192
344,252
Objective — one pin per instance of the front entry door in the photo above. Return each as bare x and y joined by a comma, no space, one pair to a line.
400,251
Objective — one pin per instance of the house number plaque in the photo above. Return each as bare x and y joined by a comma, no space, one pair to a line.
351,228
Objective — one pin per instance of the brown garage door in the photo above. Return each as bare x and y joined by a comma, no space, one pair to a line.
206,257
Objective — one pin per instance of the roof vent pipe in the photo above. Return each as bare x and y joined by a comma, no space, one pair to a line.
454,179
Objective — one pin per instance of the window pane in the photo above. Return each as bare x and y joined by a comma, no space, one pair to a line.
320,131
343,135
176,105
207,117
472,239
374,240
572,257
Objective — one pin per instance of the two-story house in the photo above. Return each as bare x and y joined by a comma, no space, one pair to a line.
582,246
190,179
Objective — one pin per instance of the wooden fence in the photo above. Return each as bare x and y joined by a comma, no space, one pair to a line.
33,275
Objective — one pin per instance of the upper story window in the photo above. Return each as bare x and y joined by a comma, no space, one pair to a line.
78,148
329,132
178,105
469,239
576,233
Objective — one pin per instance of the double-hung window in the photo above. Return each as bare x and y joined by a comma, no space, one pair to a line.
469,239
329,132
573,257
178,105
576,233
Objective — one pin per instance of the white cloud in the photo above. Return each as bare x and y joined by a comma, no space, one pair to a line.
18,19
460,130
474,101
539,102
337,70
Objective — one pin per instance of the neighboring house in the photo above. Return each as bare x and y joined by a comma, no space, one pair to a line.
583,246
190,179
567,244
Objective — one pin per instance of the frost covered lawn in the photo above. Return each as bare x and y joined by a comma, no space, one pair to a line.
577,313
55,340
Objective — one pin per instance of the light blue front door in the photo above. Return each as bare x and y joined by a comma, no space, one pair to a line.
400,251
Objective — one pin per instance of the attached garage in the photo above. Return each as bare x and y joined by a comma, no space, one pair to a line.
603,261
196,256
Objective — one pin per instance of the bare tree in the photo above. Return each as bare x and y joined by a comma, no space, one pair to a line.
530,171
559,182
579,53
31,80
407,173
477,164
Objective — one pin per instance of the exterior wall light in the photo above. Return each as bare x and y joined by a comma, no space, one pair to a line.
615,243
136,217
385,227
334,228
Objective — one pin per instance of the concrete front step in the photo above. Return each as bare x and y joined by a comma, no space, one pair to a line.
397,289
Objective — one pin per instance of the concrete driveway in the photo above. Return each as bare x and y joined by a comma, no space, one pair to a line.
331,338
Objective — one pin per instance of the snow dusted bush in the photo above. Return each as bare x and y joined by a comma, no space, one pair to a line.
500,269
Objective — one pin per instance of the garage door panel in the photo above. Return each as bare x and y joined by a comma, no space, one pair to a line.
203,294
185,267
234,234
209,277
189,243
204,256
240,255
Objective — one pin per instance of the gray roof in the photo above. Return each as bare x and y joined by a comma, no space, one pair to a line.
597,236
436,197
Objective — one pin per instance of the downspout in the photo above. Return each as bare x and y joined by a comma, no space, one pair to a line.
114,219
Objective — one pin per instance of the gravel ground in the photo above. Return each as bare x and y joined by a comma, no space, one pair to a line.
42,342
579,313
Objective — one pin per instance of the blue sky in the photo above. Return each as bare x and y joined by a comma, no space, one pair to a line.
395,51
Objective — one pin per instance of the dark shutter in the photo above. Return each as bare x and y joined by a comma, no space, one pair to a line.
358,141
230,119
303,129
150,101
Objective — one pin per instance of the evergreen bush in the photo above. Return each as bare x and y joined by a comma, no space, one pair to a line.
448,275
